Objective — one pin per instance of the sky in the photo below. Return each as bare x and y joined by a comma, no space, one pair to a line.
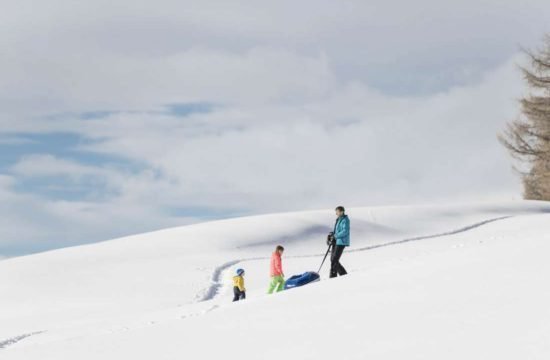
123,117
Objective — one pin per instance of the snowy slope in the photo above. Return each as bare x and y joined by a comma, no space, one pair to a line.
463,281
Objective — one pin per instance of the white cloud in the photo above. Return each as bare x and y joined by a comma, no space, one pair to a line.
31,222
306,113
37,165
352,145
60,56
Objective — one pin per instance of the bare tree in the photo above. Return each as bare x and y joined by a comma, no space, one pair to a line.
528,137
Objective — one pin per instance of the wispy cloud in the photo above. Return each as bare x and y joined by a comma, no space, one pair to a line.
14,140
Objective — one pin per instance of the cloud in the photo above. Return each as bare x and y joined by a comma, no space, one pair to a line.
353,145
14,140
31,222
64,57
283,106
47,165
379,148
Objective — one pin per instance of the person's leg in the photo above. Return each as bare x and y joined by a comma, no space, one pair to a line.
341,269
236,293
272,285
280,283
243,295
333,262
338,268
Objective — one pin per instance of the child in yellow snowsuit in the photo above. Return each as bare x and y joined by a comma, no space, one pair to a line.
239,290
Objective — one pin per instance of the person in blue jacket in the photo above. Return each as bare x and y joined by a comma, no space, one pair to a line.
340,239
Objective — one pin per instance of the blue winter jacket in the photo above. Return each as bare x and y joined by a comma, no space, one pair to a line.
341,231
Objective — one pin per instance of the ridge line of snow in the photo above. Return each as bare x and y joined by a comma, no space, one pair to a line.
216,282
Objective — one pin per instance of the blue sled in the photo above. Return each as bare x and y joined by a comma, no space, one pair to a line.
302,279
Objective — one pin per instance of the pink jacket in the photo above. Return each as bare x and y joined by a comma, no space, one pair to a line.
276,268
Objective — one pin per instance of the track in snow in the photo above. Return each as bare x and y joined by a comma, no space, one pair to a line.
425,237
216,283
5,343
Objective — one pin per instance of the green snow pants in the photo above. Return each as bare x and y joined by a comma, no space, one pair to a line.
277,284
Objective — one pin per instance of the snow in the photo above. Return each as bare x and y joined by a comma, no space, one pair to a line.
425,282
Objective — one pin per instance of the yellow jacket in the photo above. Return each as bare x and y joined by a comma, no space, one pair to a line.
238,281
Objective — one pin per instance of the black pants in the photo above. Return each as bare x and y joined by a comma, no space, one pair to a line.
335,267
238,294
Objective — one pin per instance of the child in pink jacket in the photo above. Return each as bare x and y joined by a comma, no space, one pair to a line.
276,271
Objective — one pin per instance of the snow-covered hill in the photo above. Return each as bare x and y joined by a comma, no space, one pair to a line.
426,282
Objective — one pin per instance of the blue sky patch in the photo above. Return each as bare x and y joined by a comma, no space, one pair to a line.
186,109
205,213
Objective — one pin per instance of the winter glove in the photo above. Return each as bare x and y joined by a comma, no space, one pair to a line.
330,239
